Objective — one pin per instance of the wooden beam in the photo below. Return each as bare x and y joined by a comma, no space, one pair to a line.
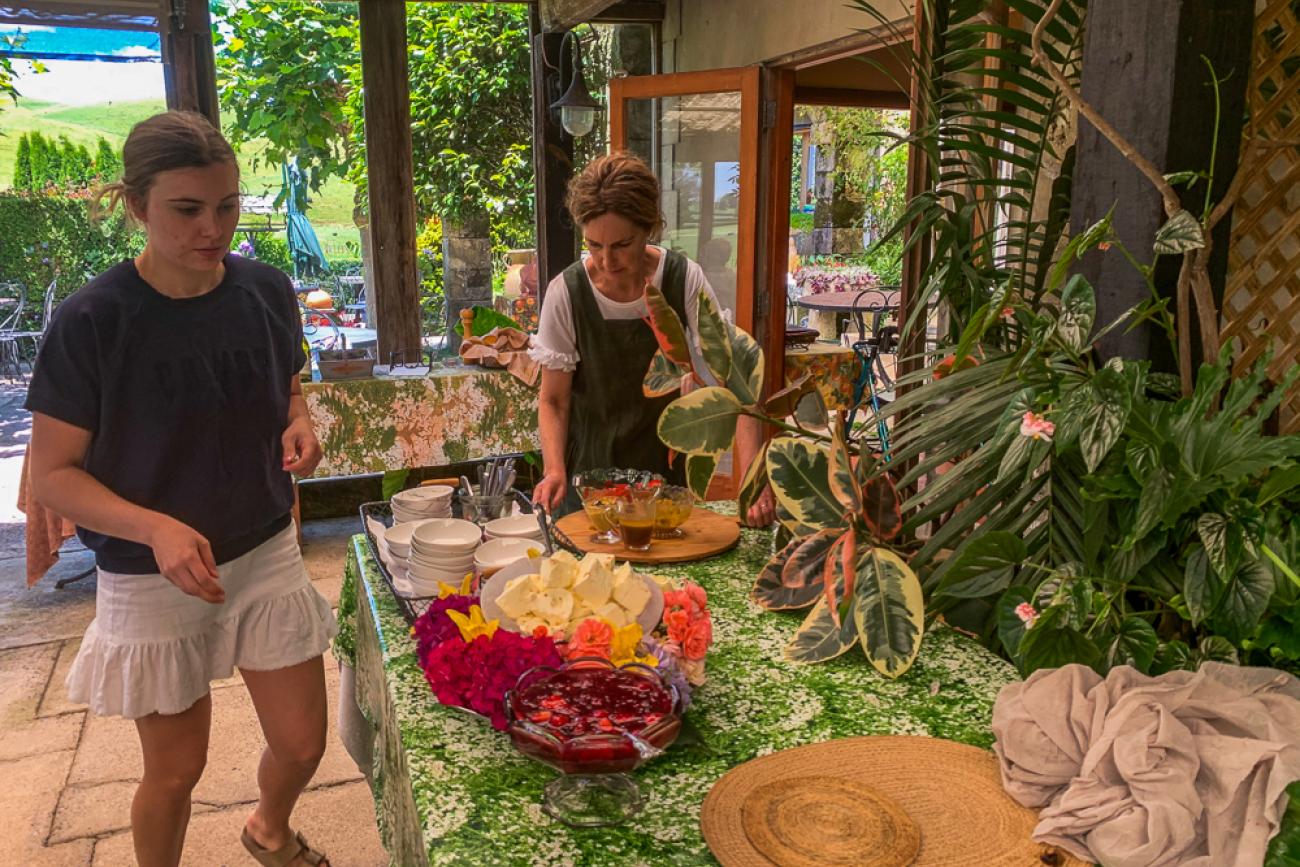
189,63
845,96
1143,70
390,183
776,152
891,33
552,161
632,12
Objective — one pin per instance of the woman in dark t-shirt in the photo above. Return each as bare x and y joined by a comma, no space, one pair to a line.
167,419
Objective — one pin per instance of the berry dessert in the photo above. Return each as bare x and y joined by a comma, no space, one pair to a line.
588,718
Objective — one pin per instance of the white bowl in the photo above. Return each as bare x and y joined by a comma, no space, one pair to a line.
421,498
514,526
431,577
446,536
398,536
502,552
441,565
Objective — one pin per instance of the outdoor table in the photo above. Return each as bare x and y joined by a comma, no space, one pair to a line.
449,790
452,414
828,307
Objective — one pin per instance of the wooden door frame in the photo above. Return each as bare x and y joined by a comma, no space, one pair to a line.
745,81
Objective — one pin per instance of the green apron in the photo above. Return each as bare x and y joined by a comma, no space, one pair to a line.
612,424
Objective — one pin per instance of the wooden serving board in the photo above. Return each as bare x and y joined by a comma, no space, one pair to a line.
705,534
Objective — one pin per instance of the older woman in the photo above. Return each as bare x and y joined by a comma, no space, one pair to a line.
594,344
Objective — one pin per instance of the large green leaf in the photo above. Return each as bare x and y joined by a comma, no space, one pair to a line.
702,422
1050,643
715,341
1244,600
662,377
1181,233
746,378
667,327
889,611
985,566
1134,644
1213,532
771,592
1284,849
1078,312
699,472
1112,403
819,638
799,473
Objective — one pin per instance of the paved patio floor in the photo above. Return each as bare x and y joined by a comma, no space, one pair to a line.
69,775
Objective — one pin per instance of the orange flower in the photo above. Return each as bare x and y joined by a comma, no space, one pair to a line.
678,622
593,637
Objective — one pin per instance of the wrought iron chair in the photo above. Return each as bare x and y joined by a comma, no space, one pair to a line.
10,326
43,322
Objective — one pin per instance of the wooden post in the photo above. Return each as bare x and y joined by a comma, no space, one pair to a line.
1142,70
557,241
189,63
390,185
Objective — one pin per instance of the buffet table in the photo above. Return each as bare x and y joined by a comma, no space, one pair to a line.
451,791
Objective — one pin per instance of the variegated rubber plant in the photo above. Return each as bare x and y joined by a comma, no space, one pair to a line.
841,510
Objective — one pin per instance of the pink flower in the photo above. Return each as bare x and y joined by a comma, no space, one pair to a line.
678,623
1027,614
1008,313
1104,246
1036,427
697,595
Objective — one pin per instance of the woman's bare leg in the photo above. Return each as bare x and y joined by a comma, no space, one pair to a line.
175,750
291,706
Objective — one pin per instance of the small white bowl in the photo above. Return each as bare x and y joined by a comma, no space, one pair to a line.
441,565
514,526
502,552
446,536
398,536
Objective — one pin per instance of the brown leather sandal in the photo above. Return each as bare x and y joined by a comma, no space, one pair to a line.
293,854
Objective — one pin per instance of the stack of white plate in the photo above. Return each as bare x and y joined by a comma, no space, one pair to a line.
442,549
417,504
498,553
513,527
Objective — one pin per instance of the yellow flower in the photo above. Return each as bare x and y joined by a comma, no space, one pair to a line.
473,626
622,649
445,590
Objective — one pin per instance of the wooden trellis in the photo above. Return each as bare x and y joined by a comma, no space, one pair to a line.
1261,309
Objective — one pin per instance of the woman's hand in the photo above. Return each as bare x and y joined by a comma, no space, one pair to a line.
550,490
302,450
185,559
763,511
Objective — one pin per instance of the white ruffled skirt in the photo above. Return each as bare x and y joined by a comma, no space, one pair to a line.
153,649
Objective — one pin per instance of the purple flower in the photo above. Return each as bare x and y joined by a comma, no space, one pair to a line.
669,667
246,249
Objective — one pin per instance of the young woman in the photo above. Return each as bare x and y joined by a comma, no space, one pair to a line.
593,344
167,418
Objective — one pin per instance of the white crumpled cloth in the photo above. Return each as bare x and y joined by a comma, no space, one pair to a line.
1188,768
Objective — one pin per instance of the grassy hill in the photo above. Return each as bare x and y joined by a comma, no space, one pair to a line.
330,210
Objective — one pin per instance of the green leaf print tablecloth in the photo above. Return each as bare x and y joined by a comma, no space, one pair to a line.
451,791
454,414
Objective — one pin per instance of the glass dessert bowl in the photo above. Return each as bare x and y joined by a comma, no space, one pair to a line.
601,491
672,507
594,722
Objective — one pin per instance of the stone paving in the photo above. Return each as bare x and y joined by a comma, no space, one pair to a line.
68,775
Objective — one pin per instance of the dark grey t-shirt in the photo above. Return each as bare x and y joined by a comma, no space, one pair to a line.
186,400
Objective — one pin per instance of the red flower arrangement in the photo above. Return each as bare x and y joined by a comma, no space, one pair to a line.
477,674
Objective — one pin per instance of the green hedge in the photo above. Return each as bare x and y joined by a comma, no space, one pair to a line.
41,236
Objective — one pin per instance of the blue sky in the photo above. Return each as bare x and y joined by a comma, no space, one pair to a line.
86,82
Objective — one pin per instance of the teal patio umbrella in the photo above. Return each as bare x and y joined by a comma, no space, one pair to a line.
304,248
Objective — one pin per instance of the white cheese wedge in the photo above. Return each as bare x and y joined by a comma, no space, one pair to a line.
516,599
594,588
632,593
555,605
527,624
560,570
596,562
613,612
